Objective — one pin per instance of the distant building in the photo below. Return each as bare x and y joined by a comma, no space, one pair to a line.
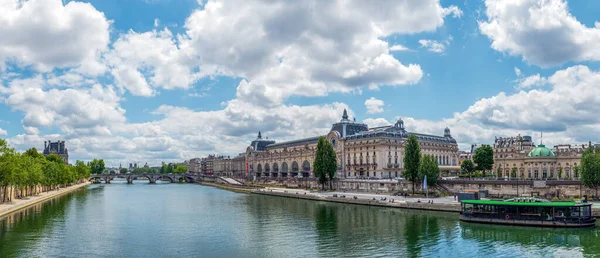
194,165
57,148
536,162
206,165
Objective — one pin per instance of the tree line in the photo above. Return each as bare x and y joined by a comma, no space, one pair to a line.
30,173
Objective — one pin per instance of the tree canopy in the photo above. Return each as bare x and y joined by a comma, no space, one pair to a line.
590,168
97,166
320,164
28,173
428,167
180,169
467,166
412,157
484,158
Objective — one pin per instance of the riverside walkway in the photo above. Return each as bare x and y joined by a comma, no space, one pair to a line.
17,204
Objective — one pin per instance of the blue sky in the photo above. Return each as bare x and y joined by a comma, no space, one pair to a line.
152,80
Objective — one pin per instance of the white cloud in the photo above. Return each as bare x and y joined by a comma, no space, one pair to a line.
307,48
531,81
543,32
374,105
376,122
142,62
70,108
71,35
398,47
432,45
566,113
517,71
3,132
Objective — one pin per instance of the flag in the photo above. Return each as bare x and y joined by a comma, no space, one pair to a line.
425,183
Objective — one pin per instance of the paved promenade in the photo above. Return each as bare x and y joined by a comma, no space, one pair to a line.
18,204
366,196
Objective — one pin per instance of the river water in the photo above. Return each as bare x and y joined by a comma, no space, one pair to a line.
188,220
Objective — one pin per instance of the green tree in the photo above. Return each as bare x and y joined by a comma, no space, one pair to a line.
82,170
428,167
513,172
123,171
181,169
96,166
170,168
412,157
55,158
467,166
331,163
33,153
484,158
163,168
8,169
112,171
590,168
320,165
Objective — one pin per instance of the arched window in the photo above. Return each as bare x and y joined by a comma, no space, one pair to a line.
306,166
284,167
267,168
294,166
259,168
275,167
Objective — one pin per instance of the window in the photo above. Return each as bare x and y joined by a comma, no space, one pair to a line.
544,173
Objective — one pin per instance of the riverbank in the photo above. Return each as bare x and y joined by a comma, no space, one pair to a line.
18,204
438,204
308,195
348,199
239,189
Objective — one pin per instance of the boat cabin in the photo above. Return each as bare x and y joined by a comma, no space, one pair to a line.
554,214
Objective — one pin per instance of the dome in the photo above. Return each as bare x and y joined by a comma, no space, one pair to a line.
541,151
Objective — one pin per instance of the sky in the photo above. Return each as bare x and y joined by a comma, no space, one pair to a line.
170,80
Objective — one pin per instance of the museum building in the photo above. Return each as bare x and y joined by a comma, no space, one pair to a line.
361,152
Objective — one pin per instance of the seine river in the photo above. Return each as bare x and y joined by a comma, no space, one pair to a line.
188,220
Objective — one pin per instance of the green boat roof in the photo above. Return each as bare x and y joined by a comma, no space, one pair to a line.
536,204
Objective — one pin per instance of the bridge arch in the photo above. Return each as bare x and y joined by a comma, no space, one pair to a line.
171,180
139,177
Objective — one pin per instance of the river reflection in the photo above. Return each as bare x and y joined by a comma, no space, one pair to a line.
186,220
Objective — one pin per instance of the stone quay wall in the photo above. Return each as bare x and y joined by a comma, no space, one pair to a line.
498,188
495,188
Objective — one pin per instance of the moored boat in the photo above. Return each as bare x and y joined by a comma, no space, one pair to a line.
528,212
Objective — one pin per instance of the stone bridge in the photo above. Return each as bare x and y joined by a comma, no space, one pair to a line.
190,178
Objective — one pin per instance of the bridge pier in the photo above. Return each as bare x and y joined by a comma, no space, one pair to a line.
129,180
152,180
107,180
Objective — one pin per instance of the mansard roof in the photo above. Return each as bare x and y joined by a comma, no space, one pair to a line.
400,135
295,143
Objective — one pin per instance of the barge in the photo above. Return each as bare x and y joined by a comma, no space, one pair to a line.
540,213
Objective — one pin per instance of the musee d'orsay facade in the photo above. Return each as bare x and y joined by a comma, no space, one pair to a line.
361,152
